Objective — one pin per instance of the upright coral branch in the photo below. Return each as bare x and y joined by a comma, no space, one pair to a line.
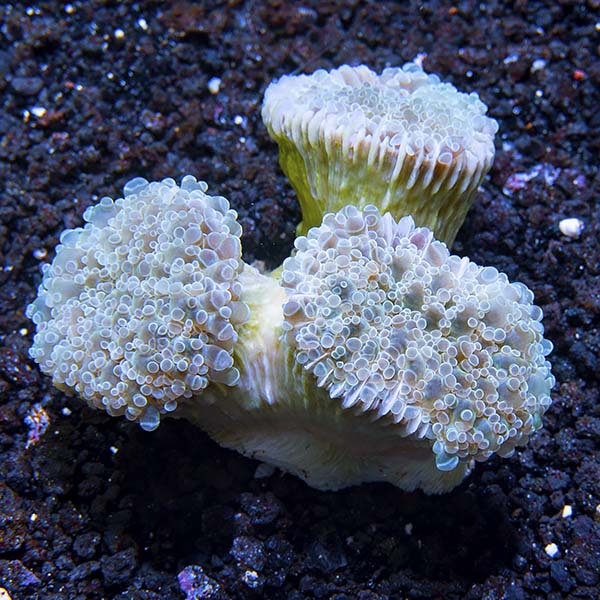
402,140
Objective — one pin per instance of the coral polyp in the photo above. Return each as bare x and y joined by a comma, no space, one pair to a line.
402,140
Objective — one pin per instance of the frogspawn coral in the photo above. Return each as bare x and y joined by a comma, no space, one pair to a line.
139,309
401,140
377,356
441,360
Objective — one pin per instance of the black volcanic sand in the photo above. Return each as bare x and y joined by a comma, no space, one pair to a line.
100,509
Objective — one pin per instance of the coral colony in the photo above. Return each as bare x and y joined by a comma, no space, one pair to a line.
373,354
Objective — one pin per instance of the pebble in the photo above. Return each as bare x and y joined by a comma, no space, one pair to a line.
214,85
551,550
27,86
38,111
538,65
571,227
85,545
251,579
326,555
196,585
248,552
560,574
262,509
117,569
19,576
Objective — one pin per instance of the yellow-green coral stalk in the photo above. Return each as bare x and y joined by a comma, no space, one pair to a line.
402,140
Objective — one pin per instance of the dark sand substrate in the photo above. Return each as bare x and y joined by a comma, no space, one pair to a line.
100,509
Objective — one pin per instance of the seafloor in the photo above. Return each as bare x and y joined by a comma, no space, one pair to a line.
94,93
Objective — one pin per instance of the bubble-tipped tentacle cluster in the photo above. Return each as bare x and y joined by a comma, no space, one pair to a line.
140,308
402,140
376,356
388,322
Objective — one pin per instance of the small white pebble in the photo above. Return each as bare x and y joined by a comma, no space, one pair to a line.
114,449
571,227
23,331
214,85
66,411
38,111
408,529
119,34
238,119
142,24
511,58
567,511
40,253
33,517
69,9
551,550
539,93
538,65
